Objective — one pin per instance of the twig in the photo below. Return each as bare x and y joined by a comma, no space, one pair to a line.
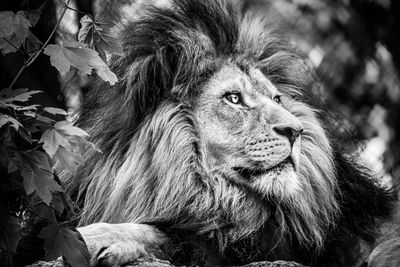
80,12
17,76
33,57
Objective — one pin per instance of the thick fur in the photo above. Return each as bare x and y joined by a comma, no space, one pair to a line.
153,167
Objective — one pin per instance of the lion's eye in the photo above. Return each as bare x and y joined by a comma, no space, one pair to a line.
234,98
277,99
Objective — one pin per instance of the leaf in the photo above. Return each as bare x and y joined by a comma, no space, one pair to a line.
30,114
32,15
30,107
68,160
33,43
25,96
52,140
42,210
66,242
15,28
20,95
25,134
55,111
74,249
41,182
37,174
58,202
59,58
10,93
98,36
52,245
6,46
106,74
44,119
61,144
84,144
4,119
68,128
80,57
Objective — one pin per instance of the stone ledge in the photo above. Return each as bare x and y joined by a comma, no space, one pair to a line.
161,263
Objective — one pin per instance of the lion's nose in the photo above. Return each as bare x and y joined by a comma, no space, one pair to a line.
289,131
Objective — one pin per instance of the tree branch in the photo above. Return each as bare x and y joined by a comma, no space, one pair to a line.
34,56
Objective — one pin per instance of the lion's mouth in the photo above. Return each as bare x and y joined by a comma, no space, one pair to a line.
248,172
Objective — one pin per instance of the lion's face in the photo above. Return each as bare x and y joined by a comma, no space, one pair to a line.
248,132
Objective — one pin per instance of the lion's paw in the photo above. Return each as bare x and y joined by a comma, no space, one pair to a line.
121,253
119,244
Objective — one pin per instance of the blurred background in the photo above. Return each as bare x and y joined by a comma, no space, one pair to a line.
354,46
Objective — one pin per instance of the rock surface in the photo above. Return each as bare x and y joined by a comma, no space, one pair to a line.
161,263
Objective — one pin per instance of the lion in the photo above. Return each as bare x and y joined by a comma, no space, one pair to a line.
214,151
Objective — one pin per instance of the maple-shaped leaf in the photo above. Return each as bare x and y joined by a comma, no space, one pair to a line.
69,160
33,43
15,28
57,202
5,119
52,139
7,46
37,174
18,95
84,144
41,182
65,242
55,111
79,56
68,128
45,120
10,93
61,144
98,36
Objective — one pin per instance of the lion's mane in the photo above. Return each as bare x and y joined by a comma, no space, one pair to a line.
153,169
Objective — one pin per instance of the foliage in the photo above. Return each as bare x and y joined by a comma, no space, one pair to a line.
36,140
79,56
98,36
64,241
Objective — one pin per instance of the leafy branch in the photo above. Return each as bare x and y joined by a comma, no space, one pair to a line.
33,145
33,57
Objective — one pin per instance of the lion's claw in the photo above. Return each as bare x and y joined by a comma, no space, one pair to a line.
121,253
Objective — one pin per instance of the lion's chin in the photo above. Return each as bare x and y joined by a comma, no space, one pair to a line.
281,182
